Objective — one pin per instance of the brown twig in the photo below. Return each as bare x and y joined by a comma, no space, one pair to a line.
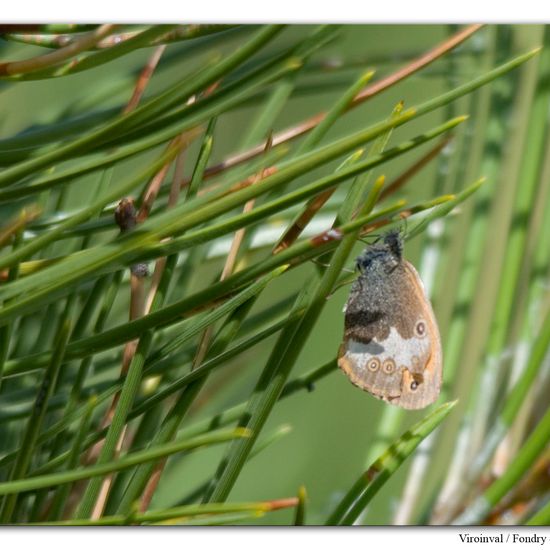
206,337
369,92
172,201
159,269
137,310
143,79
50,59
239,185
173,197
152,191
315,204
280,503
295,230
419,63
230,262
401,180
127,218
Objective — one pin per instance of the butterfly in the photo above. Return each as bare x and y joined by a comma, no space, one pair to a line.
391,347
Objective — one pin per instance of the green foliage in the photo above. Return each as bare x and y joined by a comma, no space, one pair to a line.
111,376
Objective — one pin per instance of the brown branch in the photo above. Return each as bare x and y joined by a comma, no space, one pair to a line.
172,201
315,204
160,264
401,180
127,218
369,92
419,63
206,337
152,191
137,310
282,503
159,269
295,229
143,79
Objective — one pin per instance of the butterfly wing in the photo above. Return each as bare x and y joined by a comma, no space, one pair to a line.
392,347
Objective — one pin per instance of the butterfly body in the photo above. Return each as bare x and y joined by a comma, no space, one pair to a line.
391,345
